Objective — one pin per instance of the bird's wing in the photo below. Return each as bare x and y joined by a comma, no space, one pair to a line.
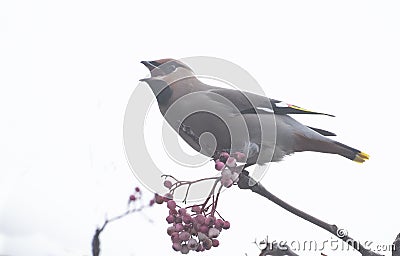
248,103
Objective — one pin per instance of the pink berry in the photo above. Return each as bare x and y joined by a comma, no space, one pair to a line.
137,189
170,219
219,224
175,237
173,212
170,230
231,162
204,229
182,211
177,246
132,197
213,233
200,219
167,184
187,219
178,227
185,249
226,225
196,209
210,220
187,227
219,166
192,231
215,243
184,236
178,219
196,225
159,199
171,204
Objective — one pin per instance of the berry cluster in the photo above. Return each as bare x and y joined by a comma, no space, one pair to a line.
195,228
192,230
228,166
136,195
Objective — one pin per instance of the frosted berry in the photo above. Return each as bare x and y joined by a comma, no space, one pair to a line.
192,244
171,204
226,174
200,248
167,184
132,197
213,233
226,182
184,236
207,244
235,176
185,249
137,189
201,236
231,162
240,156
168,197
210,220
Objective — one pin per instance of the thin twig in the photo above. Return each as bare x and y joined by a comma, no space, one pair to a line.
96,236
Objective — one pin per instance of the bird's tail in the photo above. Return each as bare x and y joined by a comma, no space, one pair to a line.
326,145
351,153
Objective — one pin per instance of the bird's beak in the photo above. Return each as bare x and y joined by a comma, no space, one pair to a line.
150,64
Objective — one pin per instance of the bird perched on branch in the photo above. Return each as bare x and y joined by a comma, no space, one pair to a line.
233,120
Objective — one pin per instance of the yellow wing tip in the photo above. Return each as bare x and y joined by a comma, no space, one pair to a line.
361,157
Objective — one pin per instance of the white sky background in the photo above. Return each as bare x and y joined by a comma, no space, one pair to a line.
67,70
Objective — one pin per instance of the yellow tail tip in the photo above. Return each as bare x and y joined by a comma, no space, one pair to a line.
361,157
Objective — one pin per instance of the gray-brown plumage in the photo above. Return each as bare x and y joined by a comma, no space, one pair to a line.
239,121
